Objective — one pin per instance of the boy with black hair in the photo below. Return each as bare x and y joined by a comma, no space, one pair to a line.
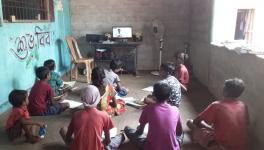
164,123
55,80
166,72
112,78
223,125
182,73
42,95
19,121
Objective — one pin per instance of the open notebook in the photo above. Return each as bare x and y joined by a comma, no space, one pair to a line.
73,104
69,83
131,101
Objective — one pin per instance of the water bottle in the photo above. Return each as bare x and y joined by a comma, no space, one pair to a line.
42,131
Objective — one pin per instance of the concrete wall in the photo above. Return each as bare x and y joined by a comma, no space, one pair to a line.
212,65
200,28
25,46
98,16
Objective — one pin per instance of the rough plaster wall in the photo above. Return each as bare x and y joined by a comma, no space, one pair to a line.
213,65
98,16
200,27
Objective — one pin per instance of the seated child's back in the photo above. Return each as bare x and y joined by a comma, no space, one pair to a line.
110,74
227,118
162,119
41,93
55,79
182,73
19,121
41,96
164,122
112,78
87,125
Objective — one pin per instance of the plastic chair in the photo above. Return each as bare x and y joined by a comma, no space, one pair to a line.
77,59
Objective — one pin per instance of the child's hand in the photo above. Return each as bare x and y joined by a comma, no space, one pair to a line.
106,141
64,95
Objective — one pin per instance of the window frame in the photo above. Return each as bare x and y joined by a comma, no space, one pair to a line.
222,34
249,32
50,12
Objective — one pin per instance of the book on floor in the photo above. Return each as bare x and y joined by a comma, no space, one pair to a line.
73,104
131,101
69,83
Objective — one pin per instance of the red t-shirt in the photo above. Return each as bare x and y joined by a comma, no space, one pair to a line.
183,75
39,98
16,114
87,127
230,121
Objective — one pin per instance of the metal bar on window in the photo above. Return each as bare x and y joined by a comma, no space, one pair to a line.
28,9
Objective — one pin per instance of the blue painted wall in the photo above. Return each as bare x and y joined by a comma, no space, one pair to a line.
25,46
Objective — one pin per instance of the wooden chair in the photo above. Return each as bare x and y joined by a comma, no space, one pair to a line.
77,59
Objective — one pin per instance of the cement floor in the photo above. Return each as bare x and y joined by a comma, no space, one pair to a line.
196,100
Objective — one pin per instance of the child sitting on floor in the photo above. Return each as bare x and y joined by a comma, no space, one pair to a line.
112,78
223,125
108,101
181,73
55,80
19,121
166,72
41,96
165,130
86,127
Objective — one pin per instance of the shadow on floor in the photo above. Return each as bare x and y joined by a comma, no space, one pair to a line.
198,96
54,146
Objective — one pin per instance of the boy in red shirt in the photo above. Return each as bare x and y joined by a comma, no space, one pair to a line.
87,125
182,73
223,125
42,95
19,121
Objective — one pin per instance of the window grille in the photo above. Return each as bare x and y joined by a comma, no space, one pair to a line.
23,10
244,24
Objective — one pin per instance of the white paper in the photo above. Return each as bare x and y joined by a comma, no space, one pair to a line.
70,83
113,133
129,101
148,89
146,129
73,104
134,104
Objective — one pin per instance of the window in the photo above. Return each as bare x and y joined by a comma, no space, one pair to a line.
238,24
23,10
244,25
